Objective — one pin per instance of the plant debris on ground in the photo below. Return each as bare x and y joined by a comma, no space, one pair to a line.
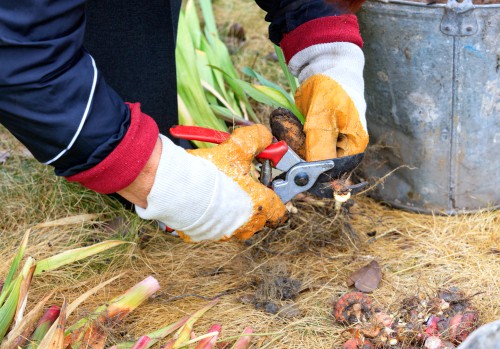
434,322
302,266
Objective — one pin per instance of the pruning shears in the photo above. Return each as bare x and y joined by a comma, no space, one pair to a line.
297,175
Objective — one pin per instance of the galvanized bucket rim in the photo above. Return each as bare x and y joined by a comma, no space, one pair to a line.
421,4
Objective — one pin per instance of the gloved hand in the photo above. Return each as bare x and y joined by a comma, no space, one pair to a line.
208,194
322,46
331,99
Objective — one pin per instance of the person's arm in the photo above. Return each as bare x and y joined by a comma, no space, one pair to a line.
54,100
322,45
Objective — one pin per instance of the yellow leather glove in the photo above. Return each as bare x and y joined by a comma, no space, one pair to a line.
325,55
334,126
209,194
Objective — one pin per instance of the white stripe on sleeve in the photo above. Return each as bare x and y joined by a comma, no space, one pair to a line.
84,116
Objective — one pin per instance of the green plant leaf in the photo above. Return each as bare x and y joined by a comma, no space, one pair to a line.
193,23
8,309
14,266
74,255
292,80
195,106
215,59
269,96
252,73
204,69
222,65
274,94
200,57
27,275
229,117
273,91
208,17
219,98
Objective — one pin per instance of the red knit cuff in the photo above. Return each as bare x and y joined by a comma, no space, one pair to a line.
323,30
122,166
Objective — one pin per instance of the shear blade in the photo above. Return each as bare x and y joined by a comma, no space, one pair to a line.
343,167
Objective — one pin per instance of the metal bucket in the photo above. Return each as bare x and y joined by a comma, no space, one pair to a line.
433,95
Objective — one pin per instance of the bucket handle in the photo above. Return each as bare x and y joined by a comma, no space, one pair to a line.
459,18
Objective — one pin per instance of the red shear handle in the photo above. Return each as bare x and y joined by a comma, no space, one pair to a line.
273,153
197,133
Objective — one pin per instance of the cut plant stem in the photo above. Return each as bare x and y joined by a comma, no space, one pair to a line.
76,303
142,343
55,340
43,326
340,199
209,342
18,336
158,334
93,330
244,341
341,192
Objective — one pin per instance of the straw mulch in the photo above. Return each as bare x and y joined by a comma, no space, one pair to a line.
311,257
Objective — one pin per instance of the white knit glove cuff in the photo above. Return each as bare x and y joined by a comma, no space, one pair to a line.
340,61
192,195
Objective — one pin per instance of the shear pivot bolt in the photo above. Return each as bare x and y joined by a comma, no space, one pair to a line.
301,179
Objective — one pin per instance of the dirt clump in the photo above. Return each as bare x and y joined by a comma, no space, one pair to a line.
275,291
286,127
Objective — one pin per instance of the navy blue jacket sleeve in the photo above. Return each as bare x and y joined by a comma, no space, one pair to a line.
52,97
286,15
